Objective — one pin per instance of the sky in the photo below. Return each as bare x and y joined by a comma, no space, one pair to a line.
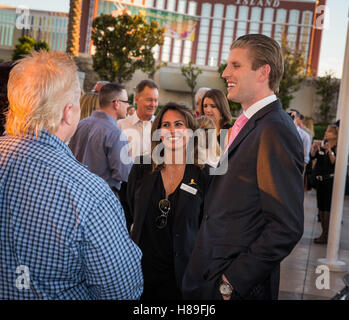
333,38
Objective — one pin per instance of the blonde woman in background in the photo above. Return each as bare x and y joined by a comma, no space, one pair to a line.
89,101
308,126
88,104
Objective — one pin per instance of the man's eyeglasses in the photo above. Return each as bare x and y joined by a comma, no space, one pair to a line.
164,206
124,101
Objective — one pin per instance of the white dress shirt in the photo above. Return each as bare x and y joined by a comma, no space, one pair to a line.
259,105
138,133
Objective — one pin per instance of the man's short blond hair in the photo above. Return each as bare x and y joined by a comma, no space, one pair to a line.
39,87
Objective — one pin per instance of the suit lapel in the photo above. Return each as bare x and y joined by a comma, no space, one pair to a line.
248,127
251,123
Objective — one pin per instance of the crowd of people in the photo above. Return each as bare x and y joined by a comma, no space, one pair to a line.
122,204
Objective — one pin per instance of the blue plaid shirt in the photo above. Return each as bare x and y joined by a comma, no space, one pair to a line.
62,230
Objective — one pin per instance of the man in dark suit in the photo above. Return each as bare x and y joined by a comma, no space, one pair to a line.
253,214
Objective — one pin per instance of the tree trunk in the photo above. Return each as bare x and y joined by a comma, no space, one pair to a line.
74,27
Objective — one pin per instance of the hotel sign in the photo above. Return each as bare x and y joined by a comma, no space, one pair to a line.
258,3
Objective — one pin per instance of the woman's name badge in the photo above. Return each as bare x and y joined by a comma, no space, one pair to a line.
189,189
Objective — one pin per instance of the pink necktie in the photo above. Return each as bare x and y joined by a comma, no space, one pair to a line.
238,125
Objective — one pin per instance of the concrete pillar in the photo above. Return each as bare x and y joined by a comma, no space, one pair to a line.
344,81
331,259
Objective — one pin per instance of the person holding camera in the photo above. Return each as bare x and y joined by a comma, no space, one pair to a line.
323,173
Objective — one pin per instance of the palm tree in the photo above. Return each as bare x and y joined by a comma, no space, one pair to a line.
74,27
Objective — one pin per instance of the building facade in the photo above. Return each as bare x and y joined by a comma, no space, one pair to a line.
209,27
16,22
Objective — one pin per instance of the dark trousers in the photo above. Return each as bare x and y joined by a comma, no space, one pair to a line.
166,290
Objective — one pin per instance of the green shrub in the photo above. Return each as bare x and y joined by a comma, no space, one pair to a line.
319,130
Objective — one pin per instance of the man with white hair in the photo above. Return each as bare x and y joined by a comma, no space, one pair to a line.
59,223
198,99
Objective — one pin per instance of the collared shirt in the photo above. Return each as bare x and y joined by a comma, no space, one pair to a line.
259,105
306,143
62,231
253,109
100,144
138,133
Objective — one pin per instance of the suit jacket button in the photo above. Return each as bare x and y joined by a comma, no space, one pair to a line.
206,217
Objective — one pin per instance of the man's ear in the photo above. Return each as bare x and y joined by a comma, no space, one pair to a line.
116,105
264,72
68,114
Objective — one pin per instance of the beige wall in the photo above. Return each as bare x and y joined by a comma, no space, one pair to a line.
307,102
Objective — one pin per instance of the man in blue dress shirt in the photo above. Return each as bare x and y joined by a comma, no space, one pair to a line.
98,141
62,230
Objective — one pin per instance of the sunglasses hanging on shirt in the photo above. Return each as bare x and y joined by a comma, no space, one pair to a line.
164,206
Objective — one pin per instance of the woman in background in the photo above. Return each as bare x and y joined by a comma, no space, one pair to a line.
88,103
323,174
215,106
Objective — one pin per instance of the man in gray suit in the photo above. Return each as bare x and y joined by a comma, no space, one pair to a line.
253,215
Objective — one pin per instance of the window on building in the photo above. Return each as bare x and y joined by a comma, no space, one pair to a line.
255,20
203,34
293,28
280,26
242,24
192,8
149,3
171,5
160,4
307,21
181,6
166,49
228,31
188,45
177,48
268,17
216,34
7,25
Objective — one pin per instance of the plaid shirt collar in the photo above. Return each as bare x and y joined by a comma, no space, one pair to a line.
51,140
